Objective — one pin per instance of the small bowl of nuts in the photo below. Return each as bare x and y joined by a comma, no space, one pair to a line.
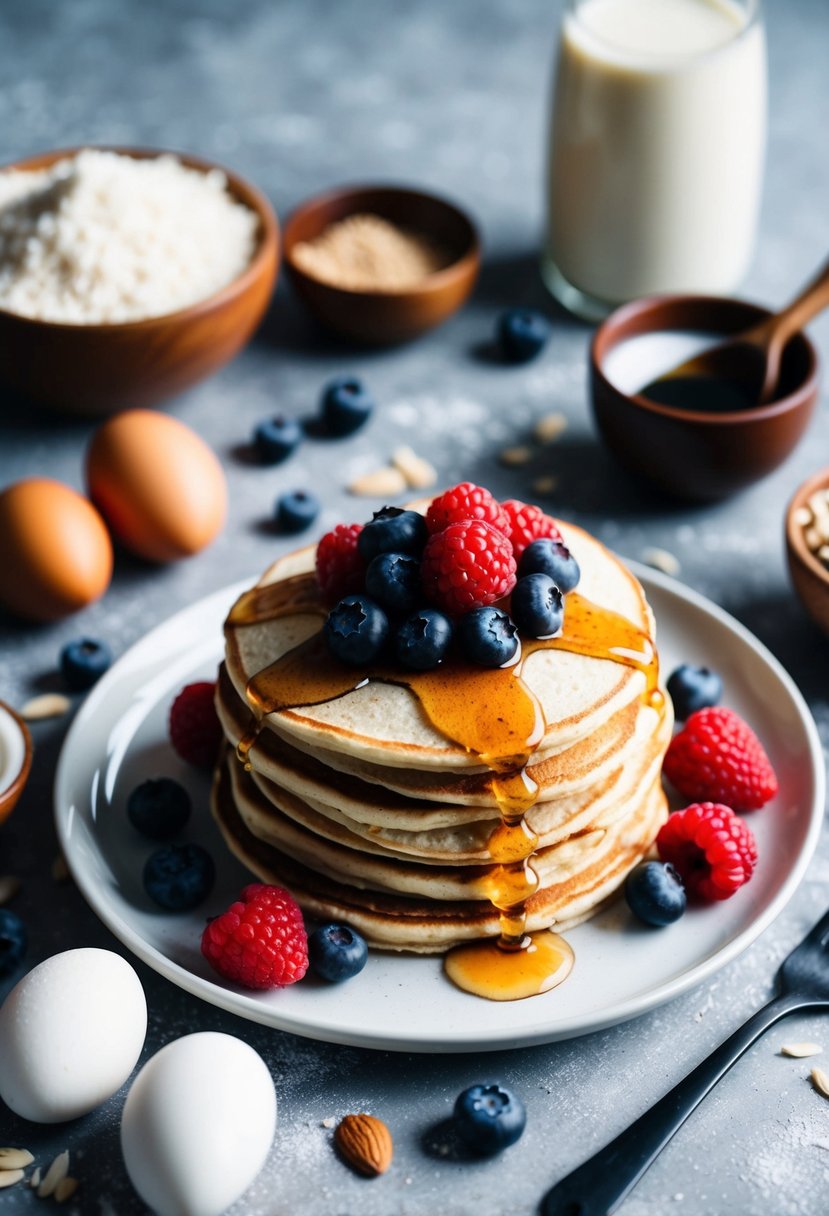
15,758
807,546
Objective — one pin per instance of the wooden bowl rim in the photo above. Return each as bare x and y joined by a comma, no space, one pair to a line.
602,342
10,793
795,539
244,190
462,267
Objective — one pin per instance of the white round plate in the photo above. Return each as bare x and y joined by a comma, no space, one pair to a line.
405,1003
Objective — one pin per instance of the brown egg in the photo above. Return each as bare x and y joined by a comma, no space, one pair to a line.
55,553
157,484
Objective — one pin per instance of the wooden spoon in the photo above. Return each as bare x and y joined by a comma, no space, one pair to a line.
744,370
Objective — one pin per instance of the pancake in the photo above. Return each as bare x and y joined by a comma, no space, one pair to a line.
393,921
384,724
569,770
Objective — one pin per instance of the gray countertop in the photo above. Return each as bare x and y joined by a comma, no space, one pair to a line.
303,94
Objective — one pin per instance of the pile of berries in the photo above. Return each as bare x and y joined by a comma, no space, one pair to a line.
408,587
707,852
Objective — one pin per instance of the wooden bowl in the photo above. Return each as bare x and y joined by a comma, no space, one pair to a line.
688,453
15,758
380,318
810,577
98,369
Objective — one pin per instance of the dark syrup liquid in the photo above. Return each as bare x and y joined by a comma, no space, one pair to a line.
702,394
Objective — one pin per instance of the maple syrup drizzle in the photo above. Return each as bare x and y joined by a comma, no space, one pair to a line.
494,716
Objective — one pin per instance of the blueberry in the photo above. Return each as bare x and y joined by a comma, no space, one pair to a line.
423,639
337,952
552,558
346,405
536,606
489,1118
488,636
393,530
356,630
83,662
522,334
692,688
655,893
158,808
276,438
13,940
179,876
393,580
296,511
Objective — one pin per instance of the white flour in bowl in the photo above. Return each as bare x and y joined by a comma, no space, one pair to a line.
101,237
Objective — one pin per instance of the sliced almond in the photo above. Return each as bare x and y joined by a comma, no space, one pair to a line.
15,1158
48,705
56,1173
365,1144
799,1051
812,538
66,1189
516,456
9,887
418,472
819,503
820,1081
548,428
545,485
34,1178
661,559
389,481
10,1177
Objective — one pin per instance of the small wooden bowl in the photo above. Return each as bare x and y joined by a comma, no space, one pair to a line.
380,318
98,369
809,576
687,453
15,758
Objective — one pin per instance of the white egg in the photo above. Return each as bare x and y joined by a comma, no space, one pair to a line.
198,1124
70,1034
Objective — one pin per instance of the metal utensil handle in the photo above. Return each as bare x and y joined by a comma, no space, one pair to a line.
599,1186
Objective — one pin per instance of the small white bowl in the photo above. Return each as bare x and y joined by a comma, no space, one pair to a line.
15,758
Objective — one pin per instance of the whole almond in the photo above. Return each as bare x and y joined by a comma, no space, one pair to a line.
365,1143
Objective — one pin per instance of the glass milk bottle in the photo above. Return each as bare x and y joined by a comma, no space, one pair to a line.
657,144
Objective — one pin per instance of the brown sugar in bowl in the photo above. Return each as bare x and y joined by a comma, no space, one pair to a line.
384,317
100,368
809,576
689,453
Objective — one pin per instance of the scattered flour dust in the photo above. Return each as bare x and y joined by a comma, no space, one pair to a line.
102,237
790,1171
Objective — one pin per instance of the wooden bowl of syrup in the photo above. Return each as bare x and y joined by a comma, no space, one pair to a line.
97,369
701,446
385,317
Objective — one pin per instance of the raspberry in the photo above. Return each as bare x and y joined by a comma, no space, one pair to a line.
717,757
260,941
467,565
195,730
340,568
526,523
465,501
712,849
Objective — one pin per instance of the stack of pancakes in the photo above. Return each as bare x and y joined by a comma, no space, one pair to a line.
370,815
